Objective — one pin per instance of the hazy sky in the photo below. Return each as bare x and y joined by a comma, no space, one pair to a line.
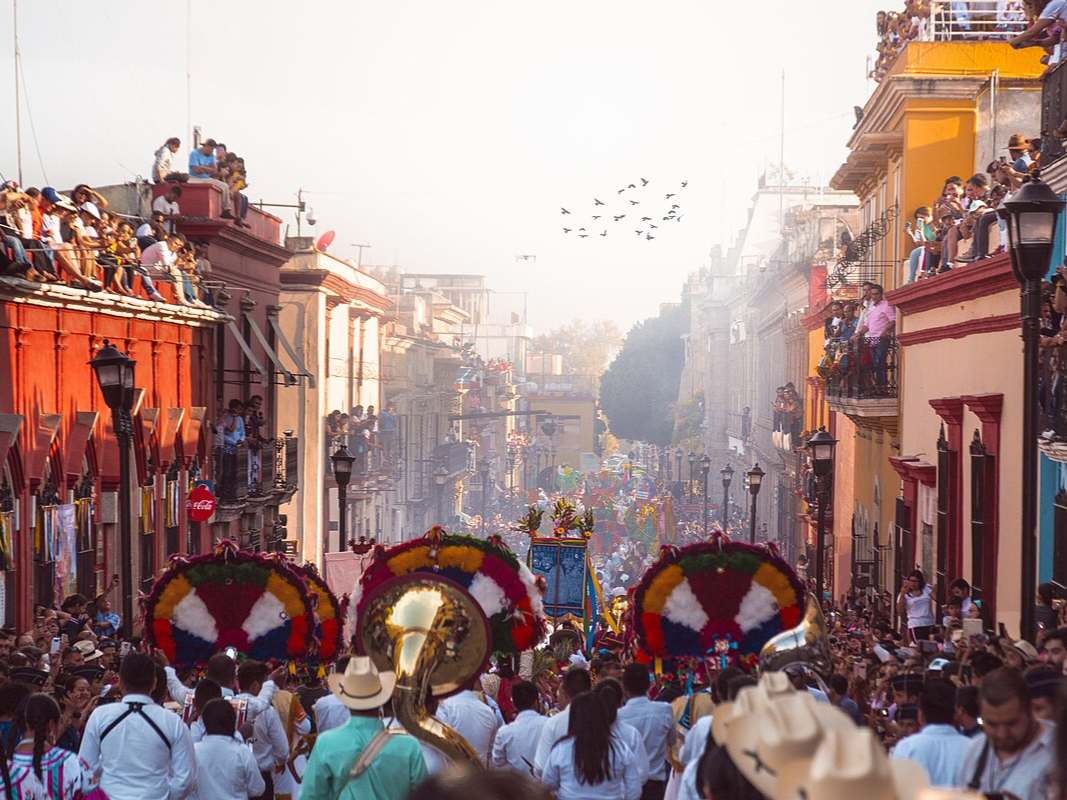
448,134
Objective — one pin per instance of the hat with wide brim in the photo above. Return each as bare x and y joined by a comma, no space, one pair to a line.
749,700
1018,141
362,687
87,649
850,766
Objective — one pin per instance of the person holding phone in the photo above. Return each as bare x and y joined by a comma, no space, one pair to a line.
916,603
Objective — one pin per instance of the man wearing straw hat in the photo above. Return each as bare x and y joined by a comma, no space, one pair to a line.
362,759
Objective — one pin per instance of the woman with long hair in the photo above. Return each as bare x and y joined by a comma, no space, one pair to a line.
916,603
591,763
38,768
77,703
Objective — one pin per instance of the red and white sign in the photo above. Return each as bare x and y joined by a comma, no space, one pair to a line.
201,504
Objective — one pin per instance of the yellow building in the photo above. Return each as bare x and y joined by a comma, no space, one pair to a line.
944,108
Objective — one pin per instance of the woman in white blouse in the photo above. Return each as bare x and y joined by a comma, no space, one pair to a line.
591,763
916,603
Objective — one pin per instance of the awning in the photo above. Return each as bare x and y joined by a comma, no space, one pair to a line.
290,379
231,325
288,348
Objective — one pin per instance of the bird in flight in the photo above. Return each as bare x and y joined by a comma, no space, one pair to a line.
652,226
650,236
635,202
678,218
670,196
563,210
668,217
567,230
638,232
675,206
583,235
596,217
605,233
580,230
618,217
620,191
631,186
684,184
597,202
644,182
646,219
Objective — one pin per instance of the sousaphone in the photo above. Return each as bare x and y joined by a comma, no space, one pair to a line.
435,637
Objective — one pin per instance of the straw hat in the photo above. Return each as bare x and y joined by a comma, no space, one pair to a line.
87,649
850,765
784,731
1026,650
749,700
362,687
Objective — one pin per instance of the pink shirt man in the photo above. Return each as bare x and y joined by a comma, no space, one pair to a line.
881,320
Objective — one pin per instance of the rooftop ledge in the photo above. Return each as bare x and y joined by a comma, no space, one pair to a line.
57,295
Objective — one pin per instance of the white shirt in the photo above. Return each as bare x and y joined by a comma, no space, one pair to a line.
631,737
162,166
516,743
655,721
696,739
622,784
226,770
329,713
163,206
51,229
939,749
158,255
687,784
1057,9
919,609
554,729
472,719
253,707
269,744
145,229
1025,775
198,731
132,761
436,761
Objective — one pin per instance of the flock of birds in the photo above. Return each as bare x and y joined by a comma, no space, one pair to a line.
636,204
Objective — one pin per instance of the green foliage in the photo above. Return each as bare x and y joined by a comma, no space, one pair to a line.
639,389
689,419
585,347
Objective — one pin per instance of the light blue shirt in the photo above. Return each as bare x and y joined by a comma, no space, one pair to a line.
939,749
198,159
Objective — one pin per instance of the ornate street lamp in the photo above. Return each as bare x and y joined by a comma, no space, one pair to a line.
115,374
342,472
727,475
705,468
692,470
821,448
1030,214
755,478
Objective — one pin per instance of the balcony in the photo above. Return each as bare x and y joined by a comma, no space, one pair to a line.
1053,113
785,435
861,377
1052,403
453,456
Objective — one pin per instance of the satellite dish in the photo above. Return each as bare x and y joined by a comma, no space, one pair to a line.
325,241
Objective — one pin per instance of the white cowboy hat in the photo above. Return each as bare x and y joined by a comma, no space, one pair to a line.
788,729
850,765
362,687
749,700
87,649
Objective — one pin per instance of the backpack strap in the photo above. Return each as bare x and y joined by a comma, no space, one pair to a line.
979,769
367,756
136,708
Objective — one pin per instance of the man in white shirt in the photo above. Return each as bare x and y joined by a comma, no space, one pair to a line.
472,718
223,670
227,769
654,721
270,745
515,745
575,681
329,712
138,748
167,206
938,747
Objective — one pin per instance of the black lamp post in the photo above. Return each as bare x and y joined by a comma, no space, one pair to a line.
821,447
692,470
342,471
755,478
114,374
483,473
727,475
1031,215
678,465
440,477
705,468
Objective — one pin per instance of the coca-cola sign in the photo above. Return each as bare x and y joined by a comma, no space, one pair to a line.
200,504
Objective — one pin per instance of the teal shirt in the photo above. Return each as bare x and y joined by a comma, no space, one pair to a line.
391,776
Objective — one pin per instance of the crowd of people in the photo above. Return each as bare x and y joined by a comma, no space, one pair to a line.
370,436
210,162
241,426
858,344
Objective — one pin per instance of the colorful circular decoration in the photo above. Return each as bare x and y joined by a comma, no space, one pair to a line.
327,610
257,604
503,586
717,599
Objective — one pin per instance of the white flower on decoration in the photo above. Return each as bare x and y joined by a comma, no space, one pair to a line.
192,615
757,606
536,601
684,608
488,594
264,616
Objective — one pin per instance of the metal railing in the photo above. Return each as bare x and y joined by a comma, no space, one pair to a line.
1053,113
231,473
863,370
954,20
1051,385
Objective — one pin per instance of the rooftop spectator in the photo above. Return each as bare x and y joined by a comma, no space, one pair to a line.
167,206
203,167
163,166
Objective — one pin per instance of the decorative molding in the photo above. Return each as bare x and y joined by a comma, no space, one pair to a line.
988,408
961,330
966,282
331,282
950,409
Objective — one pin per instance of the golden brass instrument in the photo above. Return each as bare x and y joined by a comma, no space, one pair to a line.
435,637
805,647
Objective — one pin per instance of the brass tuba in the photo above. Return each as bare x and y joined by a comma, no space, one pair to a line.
805,647
435,637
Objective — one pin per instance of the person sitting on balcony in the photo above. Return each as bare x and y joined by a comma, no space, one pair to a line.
163,166
151,231
157,256
203,168
86,239
1045,30
108,259
1018,153
253,421
167,206
923,235
878,329
59,215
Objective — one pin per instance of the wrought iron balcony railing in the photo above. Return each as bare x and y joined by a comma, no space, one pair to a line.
861,370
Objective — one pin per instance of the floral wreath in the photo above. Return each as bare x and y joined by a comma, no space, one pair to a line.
716,599
256,603
328,613
501,584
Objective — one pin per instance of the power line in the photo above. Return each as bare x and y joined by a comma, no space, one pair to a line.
33,126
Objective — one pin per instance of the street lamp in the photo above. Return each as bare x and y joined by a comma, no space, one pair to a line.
678,464
440,477
483,472
727,475
1030,214
114,374
705,468
342,471
821,448
755,478
692,469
